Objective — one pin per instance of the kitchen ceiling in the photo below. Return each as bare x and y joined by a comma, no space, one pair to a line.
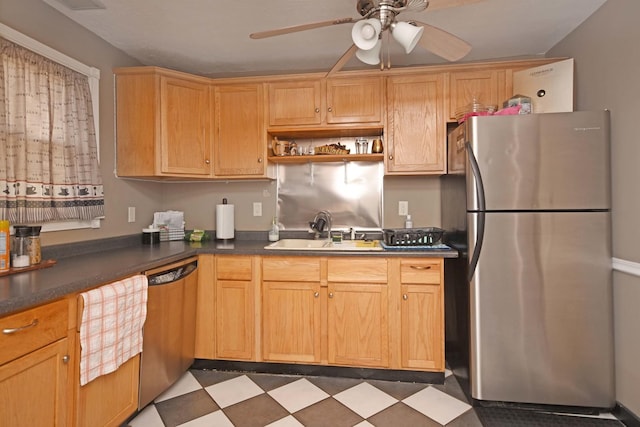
211,38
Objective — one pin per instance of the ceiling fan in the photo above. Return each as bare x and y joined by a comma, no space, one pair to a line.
379,16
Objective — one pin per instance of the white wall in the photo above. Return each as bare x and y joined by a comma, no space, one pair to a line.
607,60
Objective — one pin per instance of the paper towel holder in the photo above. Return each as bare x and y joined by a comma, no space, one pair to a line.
225,228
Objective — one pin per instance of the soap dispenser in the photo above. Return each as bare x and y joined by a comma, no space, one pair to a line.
274,233
408,223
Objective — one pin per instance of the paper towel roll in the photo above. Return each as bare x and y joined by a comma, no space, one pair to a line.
224,221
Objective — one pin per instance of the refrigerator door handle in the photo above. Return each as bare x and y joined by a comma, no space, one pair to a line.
475,169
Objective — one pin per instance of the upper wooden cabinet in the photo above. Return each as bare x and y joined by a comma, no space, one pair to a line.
416,127
334,101
486,87
239,137
162,124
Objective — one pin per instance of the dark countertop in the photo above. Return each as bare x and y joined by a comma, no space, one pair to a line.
83,266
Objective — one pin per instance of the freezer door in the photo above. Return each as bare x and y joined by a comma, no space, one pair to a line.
541,161
541,320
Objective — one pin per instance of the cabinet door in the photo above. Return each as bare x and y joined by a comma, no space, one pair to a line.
33,388
416,126
234,319
358,324
295,103
466,86
354,100
422,327
291,321
184,124
239,140
205,308
110,399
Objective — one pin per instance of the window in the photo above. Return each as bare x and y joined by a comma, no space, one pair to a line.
48,136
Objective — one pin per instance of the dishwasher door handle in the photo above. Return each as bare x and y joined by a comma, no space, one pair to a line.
172,275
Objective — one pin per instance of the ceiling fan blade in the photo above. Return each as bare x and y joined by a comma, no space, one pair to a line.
443,4
442,43
303,27
343,60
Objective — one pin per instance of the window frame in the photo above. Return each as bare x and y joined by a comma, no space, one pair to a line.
94,87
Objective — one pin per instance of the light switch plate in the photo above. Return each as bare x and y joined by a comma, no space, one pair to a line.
131,214
257,209
403,208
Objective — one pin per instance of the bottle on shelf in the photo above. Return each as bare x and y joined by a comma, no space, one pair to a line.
274,232
408,223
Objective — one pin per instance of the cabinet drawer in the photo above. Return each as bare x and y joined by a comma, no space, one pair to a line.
233,267
298,269
421,271
24,332
357,270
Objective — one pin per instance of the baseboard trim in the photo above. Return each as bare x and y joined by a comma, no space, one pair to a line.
321,371
627,417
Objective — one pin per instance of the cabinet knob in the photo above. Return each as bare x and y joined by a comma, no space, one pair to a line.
317,110
329,109
330,294
390,156
405,297
207,161
316,294
65,358
259,159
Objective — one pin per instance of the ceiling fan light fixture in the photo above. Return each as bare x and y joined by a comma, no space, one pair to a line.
365,33
371,56
406,34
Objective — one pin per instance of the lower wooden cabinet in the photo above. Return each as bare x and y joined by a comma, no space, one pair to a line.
235,307
356,311
110,399
422,314
36,367
292,335
358,327
34,388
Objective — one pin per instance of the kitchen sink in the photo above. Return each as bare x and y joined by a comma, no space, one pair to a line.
324,245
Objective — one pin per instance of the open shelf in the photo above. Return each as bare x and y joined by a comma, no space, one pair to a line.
317,158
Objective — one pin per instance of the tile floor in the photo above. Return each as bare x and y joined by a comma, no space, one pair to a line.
215,398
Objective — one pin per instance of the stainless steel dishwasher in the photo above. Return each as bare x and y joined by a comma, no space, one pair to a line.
169,331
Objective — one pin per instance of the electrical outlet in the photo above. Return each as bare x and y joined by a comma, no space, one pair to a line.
403,208
257,209
131,214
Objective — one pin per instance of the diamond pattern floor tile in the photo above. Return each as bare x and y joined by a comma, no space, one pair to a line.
328,412
257,411
365,400
186,384
204,398
235,390
298,395
217,419
437,405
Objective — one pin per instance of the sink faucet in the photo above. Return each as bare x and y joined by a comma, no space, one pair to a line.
320,221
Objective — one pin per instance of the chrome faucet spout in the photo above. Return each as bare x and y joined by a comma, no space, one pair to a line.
320,221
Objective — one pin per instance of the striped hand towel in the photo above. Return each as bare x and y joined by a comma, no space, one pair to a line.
111,326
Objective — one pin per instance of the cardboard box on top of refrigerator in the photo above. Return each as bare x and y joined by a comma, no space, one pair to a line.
549,86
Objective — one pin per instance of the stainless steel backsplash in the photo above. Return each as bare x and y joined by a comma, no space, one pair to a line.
350,191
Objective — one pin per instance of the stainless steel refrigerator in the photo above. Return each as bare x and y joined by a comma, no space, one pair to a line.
529,312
